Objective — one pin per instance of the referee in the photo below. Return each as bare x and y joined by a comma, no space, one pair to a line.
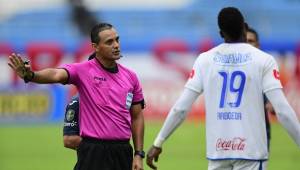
110,107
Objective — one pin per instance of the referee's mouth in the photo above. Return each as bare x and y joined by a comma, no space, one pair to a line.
116,52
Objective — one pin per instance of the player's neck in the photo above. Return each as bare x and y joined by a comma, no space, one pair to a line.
242,39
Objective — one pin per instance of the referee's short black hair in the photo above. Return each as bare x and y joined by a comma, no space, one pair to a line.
231,22
98,28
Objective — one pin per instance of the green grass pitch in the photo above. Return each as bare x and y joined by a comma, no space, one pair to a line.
40,148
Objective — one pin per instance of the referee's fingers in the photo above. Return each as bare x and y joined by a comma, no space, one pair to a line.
12,60
19,60
13,63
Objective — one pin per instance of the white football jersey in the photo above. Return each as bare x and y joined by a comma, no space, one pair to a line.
233,78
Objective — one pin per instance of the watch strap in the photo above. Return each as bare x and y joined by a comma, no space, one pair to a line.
139,153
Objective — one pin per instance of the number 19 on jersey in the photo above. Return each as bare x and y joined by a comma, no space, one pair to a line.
233,83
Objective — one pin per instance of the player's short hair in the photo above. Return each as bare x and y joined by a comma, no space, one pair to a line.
249,29
98,28
231,22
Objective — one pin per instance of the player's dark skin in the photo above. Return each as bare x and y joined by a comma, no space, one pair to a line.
72,141
154,152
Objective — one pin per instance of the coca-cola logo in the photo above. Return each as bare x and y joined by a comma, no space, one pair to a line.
235,144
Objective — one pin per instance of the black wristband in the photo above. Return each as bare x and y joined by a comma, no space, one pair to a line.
139,153
29,77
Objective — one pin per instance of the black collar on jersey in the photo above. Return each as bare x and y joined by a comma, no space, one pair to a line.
111,70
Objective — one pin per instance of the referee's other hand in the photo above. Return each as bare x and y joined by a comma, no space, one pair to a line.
153,153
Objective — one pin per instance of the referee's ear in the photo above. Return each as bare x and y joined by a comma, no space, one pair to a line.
95,47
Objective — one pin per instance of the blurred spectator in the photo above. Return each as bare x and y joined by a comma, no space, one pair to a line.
82,17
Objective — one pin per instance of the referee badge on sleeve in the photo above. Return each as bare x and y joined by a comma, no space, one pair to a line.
129,98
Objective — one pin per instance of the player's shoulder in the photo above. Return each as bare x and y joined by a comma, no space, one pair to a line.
255,54
262,56
260,52
211,52
205,57
75,98
74,102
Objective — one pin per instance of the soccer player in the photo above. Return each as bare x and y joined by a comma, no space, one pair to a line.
253,39
111,103
233,77
71,130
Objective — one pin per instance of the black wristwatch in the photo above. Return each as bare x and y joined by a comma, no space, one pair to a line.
27,78
140,153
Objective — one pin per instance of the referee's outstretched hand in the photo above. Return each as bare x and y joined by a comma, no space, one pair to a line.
21,67
153,153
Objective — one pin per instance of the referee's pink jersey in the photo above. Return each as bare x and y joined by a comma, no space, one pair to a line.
105,99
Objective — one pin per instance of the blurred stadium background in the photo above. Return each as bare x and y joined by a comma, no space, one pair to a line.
160,40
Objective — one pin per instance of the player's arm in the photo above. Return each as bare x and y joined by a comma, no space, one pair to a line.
137,128
175,117
72,141
273,90
45,76
269,108
285,114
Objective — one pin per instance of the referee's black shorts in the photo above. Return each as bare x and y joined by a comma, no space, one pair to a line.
95,154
